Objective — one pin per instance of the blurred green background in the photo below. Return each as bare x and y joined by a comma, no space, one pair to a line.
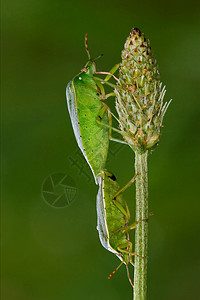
55,253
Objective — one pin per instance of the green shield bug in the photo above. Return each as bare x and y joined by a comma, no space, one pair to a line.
113,219
84,94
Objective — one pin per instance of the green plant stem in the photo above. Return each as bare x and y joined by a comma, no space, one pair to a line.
141,234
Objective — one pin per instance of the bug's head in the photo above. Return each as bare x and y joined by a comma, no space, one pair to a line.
90,68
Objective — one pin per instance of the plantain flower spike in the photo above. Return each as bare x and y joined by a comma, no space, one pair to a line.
139,94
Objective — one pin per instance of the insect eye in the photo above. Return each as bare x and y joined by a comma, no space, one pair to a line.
84,69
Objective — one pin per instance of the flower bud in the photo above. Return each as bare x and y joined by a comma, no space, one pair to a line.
139,94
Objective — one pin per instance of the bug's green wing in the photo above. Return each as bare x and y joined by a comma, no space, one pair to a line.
109,217
84,106
102,226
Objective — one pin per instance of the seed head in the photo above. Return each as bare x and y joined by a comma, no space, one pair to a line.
139,94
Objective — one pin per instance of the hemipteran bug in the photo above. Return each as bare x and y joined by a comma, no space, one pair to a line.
84,95
113,219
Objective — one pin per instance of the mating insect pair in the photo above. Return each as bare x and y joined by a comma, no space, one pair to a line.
92,124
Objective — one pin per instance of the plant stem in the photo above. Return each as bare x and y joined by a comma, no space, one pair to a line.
141,235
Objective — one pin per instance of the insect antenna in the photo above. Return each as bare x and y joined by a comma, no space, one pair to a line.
113,272
98,57
129,278
86,46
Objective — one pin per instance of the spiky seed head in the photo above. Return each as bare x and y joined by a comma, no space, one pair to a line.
139,94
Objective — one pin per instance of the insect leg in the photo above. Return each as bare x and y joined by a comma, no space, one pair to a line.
102,111
125,187
114,139
110,73
120,207
103,96
113,272
128,245
101,88
99,118
105,82
134,225
117,141
129,278
128,274
109,95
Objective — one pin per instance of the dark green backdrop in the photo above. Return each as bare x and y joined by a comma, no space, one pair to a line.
54,253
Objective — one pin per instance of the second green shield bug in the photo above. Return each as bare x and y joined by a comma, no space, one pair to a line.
84,94
113,219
